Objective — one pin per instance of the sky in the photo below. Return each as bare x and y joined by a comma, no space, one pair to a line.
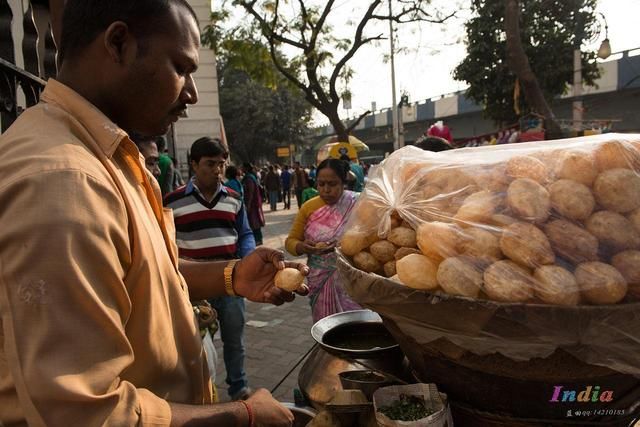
426,70
429,53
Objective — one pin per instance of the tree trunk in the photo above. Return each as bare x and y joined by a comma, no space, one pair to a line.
338,127
519,64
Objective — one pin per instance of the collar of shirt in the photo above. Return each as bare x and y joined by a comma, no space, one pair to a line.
107,134
192,186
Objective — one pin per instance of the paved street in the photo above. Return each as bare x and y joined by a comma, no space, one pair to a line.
275,337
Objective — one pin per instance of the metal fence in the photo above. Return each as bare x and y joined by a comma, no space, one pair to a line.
27,55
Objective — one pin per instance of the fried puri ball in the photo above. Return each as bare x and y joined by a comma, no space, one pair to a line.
383,250
403,252
390,268
618,190
616,155
438,240
402,237
506,281
395,220
354,241
527,167
413,170
418,272
577,166
628,264
614,232
477,208
571,199
451,181
634,217
527,245
492,177
289,279
366,262
600,283
501,220
480,243
571,242
529,200
460,276
368,212
555,285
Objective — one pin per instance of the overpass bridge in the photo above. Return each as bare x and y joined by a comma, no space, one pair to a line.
617,97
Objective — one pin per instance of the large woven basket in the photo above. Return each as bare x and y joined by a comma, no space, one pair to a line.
509,359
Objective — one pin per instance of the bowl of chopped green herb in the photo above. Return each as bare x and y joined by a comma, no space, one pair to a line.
407,408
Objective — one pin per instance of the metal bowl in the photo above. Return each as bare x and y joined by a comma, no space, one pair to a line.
366,380
355,322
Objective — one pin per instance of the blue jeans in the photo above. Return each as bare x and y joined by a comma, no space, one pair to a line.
231,318
273,200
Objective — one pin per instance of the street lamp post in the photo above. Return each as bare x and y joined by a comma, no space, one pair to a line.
604,51
577,89
394,108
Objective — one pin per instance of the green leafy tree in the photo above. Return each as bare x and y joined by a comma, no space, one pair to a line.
543,37
302,27
260,108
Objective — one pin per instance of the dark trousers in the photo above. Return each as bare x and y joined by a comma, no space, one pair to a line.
299,197
286,198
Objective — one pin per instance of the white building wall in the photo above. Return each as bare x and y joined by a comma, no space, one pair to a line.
608,80
380,118
447,106
204,117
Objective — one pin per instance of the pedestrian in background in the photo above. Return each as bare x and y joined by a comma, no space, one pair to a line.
300,182
285,181
253,201
273,187
211,224
234,177
166,166
149,150
310,192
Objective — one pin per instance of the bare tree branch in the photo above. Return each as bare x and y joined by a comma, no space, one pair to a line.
249,6
353,125
357,43
305,21
321,93
320,23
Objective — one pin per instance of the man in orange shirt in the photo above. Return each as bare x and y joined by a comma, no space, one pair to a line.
97,328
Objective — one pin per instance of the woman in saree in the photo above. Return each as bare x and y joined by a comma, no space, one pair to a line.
317,228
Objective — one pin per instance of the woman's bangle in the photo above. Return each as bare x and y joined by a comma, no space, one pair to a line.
228,278
249,412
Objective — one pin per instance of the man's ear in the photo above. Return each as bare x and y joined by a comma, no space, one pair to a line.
119,42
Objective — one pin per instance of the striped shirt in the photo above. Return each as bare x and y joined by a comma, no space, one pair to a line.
210,230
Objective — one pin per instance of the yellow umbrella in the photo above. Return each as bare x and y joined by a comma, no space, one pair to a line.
355,142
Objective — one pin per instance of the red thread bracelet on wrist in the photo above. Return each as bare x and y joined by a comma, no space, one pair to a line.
249,411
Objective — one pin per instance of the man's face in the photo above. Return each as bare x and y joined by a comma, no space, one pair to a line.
158,84
209,172
151,158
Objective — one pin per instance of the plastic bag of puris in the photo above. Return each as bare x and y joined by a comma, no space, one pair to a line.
551,222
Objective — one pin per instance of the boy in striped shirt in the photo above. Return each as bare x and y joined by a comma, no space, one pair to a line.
211,223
